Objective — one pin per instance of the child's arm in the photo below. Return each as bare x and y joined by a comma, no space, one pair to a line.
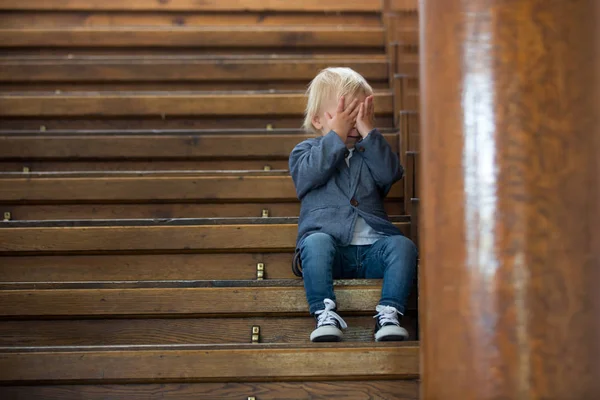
382,161
311,165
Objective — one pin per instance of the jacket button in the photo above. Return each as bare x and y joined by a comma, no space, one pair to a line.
361,149
353,202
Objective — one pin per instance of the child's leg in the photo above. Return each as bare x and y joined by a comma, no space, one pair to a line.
320,258
394,259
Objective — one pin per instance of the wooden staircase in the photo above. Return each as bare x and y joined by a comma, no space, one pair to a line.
149,217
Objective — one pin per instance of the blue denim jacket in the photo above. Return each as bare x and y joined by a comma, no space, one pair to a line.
333,195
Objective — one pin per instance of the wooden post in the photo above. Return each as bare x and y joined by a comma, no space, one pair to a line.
510,295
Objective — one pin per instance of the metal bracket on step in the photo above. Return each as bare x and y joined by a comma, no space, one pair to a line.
267,168
42,128
269,127
265,213
7,216
26,170
252,398
255,334
260,271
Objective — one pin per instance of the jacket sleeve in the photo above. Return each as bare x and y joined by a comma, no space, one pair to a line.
313,163
382,161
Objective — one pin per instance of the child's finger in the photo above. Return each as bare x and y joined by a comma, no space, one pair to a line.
328,116
360,111
340,107
356,111
352,106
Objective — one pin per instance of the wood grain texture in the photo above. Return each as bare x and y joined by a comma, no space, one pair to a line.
157,331
194,36
166,86
166,104
157,210
401,5
38,268
407,63
149,238
178,186
239,52
172,238
259,362
173,187
406,92
511,200
54,18
191,5
410,130
189,69
349,390
154,146
410,175
165,301
140,165
149,210
169,122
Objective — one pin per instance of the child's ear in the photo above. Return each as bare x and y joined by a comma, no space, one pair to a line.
316,121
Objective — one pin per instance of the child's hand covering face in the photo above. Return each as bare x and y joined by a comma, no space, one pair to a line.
344,119
366,117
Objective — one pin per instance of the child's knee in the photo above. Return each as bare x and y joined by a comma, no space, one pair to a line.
318,241
402,245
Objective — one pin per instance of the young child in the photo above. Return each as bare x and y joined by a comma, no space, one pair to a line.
341,178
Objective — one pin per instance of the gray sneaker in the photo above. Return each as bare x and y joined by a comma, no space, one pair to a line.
388,327
329,324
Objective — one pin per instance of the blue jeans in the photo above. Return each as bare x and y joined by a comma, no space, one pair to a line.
393,259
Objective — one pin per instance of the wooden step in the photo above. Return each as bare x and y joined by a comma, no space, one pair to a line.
151,186
409,124
406,91
118,186
20,212
135,150
190,5
349,390
195,36
170,235
407,64
112,364
178,73
145,267
50,165
155,145
164,86
62,18
76,52
166,122
156,331
165,104
178,298
179,68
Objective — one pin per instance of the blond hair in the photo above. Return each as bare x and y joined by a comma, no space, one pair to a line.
333,81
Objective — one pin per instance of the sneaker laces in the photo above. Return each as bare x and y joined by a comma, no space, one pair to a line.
328,317
387,315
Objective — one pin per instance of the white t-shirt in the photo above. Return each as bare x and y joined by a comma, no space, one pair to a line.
363,233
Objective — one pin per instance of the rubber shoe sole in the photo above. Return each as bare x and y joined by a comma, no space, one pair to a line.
326,333
391,333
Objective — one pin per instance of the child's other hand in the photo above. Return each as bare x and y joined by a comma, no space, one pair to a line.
366,117
344,119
